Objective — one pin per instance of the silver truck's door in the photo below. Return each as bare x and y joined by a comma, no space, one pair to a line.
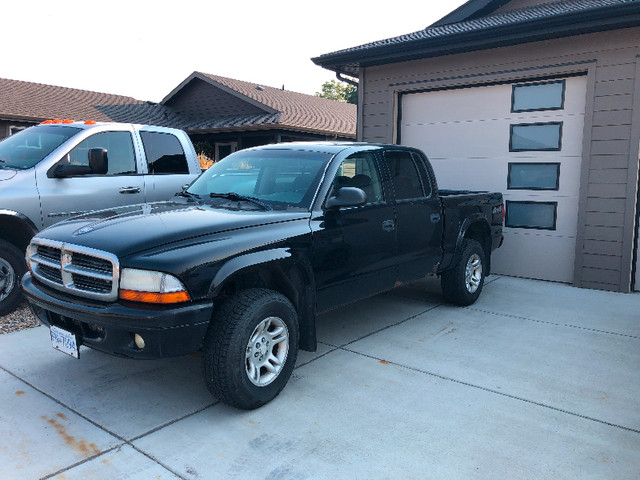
69,196
167,165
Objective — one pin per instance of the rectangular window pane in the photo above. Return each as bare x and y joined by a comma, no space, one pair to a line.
538,96
404,175
538,215
535,137
533,176
164,153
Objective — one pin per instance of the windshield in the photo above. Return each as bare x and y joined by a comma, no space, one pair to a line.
26,148
278,178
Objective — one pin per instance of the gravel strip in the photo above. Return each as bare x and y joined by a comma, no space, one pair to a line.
20,319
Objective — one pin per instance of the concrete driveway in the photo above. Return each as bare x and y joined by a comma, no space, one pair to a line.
536,380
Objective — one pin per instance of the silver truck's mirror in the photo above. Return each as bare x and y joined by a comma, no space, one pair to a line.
347,197
98,161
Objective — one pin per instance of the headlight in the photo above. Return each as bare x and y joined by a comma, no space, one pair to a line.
31,249
151,287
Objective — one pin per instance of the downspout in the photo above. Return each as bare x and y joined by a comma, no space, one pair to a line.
345,79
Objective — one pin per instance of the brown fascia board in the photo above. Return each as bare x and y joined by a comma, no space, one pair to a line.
623,16
284,128
222,87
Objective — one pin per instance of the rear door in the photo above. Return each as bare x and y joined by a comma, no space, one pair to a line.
122,185
168,170
354,250
418,226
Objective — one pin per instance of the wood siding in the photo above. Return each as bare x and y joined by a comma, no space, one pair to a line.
609,176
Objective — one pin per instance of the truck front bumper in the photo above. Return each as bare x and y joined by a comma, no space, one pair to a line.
112,327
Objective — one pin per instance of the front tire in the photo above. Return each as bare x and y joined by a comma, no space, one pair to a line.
12,268
250,348
463,283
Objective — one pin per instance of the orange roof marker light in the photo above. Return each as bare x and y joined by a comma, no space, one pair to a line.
66,120
89,122
46,122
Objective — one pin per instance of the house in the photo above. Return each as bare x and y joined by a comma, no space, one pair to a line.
220,114
539,100
228,114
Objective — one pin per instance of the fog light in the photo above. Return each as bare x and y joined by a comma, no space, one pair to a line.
139,341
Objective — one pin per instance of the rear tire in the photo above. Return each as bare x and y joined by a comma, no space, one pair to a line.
12,268
463,283
250,348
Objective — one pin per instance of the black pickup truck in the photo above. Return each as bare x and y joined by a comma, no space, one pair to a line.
240,263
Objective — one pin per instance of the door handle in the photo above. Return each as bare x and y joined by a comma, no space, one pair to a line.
129,190
388,226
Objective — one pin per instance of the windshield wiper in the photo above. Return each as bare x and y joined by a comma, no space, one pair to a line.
191,196
241,198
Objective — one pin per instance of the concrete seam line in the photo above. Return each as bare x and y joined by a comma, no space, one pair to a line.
95,424
502,394
81,462
568,325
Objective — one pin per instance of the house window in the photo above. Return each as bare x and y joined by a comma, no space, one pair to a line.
13,129
538,96
536,137
225,149
536,215
533,176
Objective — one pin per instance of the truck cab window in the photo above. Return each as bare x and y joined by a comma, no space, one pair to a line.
359,170
404,175
119,146
164,153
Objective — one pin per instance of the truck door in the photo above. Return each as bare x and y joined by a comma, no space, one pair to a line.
69,196
354,250
417,212
166,163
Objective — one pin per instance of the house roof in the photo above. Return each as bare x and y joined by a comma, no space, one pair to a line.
268,107
271,108
472,27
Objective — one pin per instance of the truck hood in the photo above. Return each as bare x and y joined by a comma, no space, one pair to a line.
127,230
7,174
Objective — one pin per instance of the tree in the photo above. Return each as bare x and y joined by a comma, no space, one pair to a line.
343,92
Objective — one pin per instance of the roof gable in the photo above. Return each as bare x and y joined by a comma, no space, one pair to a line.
250,104
470,10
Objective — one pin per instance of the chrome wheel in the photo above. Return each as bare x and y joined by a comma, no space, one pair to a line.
7,279
267,351
473,273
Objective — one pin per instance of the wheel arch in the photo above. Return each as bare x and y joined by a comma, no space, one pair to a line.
476,228
277,270
16,229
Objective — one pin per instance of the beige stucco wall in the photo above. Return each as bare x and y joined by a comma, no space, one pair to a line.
609,177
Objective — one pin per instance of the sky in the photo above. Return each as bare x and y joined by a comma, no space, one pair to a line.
144,49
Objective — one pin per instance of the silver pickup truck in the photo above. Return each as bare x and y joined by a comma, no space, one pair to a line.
62,168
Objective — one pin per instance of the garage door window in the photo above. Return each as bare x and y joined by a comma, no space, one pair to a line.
538,96
533,176
536,215
527,137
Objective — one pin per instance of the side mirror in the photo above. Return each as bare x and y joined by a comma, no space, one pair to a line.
98,161
347,197
98,165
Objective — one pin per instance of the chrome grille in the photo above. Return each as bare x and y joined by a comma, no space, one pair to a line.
81,271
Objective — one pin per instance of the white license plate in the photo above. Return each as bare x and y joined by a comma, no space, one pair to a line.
64,341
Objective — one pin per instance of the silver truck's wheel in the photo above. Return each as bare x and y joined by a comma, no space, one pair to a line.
250,348
463,283
12,267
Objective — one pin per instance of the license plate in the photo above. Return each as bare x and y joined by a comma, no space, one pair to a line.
64,341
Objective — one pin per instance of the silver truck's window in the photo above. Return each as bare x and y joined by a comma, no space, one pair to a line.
25,149
164,153
119,146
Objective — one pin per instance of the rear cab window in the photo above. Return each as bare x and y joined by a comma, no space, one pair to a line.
165,155
407,182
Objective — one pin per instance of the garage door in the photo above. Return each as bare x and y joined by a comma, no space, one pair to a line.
522,139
